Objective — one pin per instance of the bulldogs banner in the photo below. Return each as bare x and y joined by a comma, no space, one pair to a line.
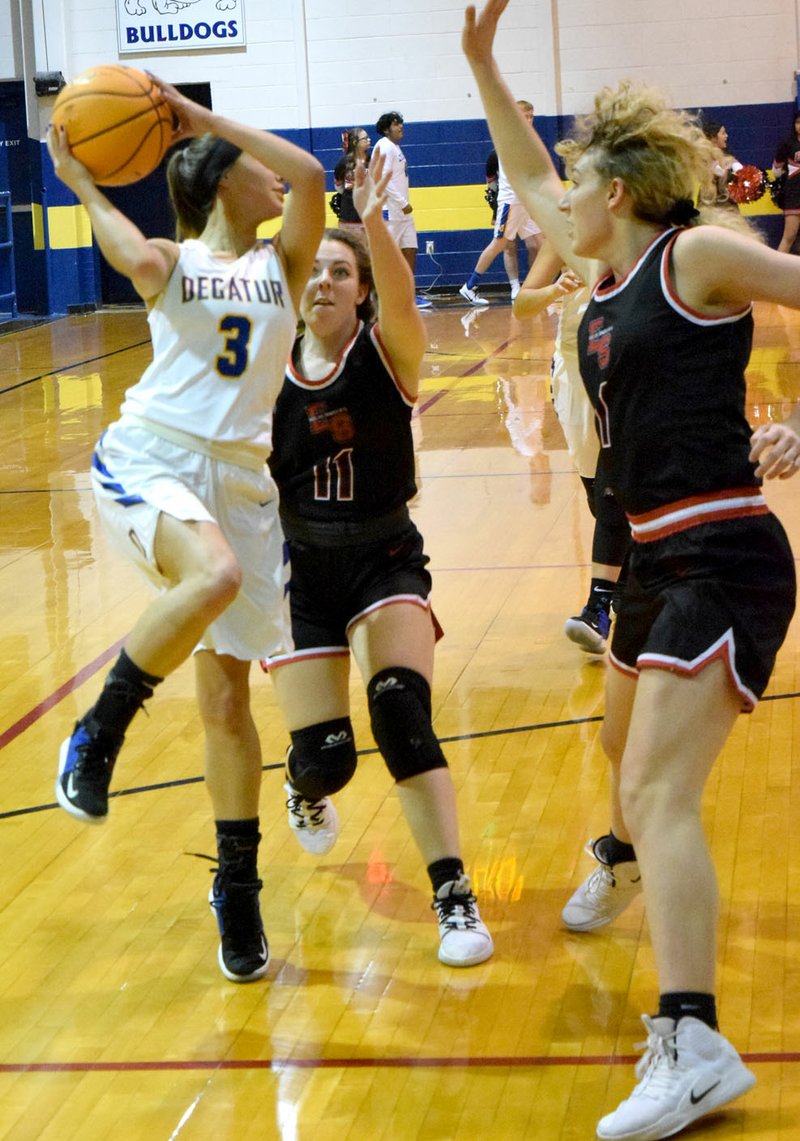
146,26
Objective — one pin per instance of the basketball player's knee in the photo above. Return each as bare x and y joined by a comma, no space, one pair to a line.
224,578
323,758
400,714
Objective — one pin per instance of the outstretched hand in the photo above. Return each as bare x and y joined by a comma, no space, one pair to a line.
369,186
775,449
477,38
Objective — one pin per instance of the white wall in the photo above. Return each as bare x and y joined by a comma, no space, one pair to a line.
7,65
702,52
328,62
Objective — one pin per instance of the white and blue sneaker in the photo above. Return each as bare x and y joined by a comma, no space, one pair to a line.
687,1071
85,765
590,628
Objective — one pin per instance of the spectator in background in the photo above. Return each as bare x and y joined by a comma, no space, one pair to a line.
726,166
512,221
787,161
398,210
355,144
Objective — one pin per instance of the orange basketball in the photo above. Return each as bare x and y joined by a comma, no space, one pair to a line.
117,123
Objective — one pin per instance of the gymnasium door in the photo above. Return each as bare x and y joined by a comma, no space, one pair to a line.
146,203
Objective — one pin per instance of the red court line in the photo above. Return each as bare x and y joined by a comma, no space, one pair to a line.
33,715
167,1065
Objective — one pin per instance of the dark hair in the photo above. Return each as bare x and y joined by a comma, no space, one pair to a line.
193,175
710,128
350,139
366,311
386,120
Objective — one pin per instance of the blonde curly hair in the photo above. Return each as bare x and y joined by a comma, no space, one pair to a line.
661,155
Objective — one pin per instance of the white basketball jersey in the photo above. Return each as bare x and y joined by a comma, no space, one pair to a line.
505,193
222,332
397,188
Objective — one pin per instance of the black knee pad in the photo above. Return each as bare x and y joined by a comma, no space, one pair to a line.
323,758
400,715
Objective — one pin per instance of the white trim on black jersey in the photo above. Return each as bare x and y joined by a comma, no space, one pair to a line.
601,292
303,382
681,308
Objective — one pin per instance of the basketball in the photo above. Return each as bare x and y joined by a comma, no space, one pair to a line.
116,121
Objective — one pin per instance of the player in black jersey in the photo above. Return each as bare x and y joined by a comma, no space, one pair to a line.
711,586
344,463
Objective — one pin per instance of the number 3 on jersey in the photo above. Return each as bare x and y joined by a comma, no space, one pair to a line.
333,477
232,361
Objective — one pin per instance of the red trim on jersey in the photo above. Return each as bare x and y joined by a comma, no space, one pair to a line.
380,348
723,650
735,503
602,291
394,600
680,306
304,382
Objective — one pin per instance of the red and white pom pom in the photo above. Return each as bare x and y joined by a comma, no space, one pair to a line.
748,184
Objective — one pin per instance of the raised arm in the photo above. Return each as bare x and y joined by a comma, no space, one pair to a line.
523,155
148,262
304,209
401,327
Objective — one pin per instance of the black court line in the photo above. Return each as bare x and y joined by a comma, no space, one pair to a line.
481,735
77,364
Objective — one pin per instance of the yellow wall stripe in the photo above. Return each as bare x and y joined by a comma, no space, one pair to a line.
436,208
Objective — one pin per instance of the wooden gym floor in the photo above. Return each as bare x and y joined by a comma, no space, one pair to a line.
116,1021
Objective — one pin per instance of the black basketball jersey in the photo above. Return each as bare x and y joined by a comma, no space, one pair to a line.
668,387
342,450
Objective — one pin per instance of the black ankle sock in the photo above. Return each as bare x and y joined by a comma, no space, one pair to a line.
237,848
613,851
444,871
125,692
682,1003
602,590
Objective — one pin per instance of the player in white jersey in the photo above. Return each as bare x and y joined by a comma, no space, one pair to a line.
398,211
546,287
512,221
181,479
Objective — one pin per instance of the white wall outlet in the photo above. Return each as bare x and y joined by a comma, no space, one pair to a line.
429,248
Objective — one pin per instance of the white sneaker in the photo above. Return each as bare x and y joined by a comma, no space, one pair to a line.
423,302
464,937
603,895
315,823
687,1071
514,289
471,295
468,319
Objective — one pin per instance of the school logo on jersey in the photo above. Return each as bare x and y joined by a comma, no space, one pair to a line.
337,421
600,341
